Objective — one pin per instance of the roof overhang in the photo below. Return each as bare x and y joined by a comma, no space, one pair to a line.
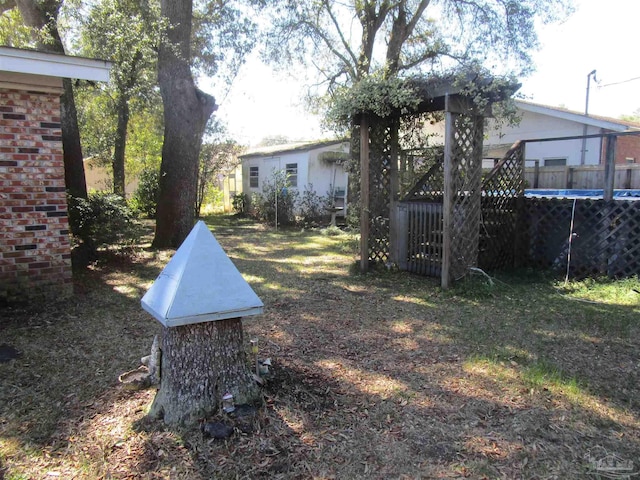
53,64
275,150
44,71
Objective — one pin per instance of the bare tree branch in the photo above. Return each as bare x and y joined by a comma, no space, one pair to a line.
345,44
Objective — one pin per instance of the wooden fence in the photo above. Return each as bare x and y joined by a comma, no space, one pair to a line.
590,237
582,177
421,250
583,237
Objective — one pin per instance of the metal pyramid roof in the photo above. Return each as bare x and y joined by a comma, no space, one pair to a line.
200,284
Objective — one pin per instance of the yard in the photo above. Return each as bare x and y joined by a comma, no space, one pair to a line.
374,376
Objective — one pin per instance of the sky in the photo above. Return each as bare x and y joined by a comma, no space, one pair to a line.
600,36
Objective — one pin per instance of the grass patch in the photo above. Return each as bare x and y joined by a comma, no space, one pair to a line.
625,292
382,375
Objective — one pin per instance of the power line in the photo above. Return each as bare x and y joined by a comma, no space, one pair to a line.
618,83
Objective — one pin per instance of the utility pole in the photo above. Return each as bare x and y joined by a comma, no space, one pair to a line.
583,153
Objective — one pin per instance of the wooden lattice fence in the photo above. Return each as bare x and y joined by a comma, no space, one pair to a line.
595,237
463,175
513,230
382,223
379,192
502,193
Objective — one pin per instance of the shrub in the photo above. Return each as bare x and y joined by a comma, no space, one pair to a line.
145,198
102,220
312,206
239,203
263,204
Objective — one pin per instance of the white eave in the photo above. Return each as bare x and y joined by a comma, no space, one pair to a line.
53,65
200,284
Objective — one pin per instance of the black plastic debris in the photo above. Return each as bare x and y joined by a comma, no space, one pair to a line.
7,353
217,430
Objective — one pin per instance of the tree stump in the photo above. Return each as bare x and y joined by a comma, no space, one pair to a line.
200,363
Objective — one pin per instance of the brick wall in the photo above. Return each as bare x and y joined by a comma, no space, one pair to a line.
35,253
628,147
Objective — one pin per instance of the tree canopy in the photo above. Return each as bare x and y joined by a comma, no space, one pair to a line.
347,41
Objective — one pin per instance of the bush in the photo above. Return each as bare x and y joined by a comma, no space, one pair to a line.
263,205
239,203
102,220
312,207
145,198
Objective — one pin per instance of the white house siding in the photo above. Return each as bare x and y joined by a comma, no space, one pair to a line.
312,172
535,126
327,177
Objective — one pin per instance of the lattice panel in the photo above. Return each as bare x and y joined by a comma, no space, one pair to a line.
604,239
379,193
501,212
431,184
466,169
421,172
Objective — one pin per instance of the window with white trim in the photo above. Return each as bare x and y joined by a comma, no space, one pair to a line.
292,174
254,173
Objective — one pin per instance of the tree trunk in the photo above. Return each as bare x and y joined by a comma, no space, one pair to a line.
200,363
186,112
74,176
44,16
120,145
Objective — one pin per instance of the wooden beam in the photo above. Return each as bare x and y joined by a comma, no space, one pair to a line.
465,106
364,193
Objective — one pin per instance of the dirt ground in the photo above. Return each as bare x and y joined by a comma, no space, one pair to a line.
374,376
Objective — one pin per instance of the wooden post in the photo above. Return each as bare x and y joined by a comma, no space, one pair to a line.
569,183
519,211
394,233
609,167
627,182
403,231
364,193
447,199
536,174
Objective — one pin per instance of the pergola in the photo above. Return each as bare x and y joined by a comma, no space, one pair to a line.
459,189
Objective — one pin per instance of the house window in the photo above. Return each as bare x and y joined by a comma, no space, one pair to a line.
555,162
253,177
292,174
630,160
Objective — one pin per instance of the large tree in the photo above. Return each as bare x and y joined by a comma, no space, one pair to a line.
186,112
42,17
213,39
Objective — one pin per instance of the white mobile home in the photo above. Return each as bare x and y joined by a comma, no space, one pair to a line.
317,166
